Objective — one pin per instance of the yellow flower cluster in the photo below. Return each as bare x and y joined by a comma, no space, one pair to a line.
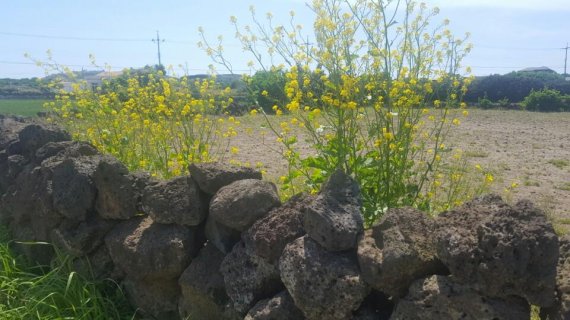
150,121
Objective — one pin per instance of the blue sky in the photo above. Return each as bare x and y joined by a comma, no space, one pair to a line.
507,35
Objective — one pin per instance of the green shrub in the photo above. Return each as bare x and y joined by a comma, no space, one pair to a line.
485,103
546,100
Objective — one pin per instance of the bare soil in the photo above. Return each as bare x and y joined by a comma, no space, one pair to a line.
527,148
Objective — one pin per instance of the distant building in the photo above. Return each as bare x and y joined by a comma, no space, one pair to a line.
538,69
93,79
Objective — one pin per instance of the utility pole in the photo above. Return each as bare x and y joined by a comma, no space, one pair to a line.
565,59
158,40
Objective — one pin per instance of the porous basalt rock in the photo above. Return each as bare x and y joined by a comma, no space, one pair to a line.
323,284
73,189
177,200
154,299
333,218
203,292
280,307
147,250
500,250
397,250
440,298
222,237
241,203
248,278
561,309
118,192
34,136
268,236
211,177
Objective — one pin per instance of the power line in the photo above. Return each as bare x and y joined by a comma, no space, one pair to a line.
29,35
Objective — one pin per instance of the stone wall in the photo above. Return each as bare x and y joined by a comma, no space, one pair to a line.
219,244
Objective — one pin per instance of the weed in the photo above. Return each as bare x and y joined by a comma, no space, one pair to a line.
559,163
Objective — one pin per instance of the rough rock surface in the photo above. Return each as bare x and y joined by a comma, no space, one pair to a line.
561,310
9,128
222,237
268,236
439,298
10,168
248,278
175,201
27,206
500,250
376,306
241,203
73,189
147,250
118,192
334,219
157,299
64,150
397,250
97,265
280,307
79,239
211,177
323,284
203,291
34,136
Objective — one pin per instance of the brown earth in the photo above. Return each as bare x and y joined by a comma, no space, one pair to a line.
527,148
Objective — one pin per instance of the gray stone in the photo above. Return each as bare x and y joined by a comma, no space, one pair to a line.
241,203
561,309
154,299
268,236
211,177
332,225
79,239
64,149
248,278
323,284
177,200
147,250
203,291
34,136
439,298
280,307
10,168
334,218
500,250
397,250
118,195
73,189
222,237
342,188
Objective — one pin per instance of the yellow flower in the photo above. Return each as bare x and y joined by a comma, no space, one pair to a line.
456,122
264,93
253,112
234,150
489,178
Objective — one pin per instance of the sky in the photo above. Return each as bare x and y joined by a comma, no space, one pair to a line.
507,35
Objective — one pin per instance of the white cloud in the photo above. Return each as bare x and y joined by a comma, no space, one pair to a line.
507,4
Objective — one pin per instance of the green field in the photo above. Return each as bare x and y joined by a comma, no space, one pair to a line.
21,107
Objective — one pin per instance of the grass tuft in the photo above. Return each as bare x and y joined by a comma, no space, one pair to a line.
29,292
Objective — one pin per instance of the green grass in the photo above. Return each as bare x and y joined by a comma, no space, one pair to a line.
559,163
564,187
21,107
32,293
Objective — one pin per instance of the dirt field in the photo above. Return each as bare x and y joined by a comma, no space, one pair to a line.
530,149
